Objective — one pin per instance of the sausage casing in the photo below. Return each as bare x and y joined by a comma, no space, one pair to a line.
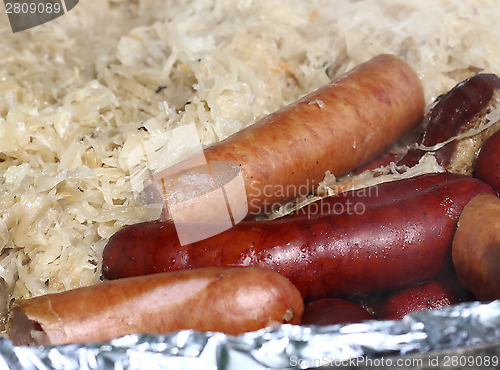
389,246
464,108
357,200
487,166
330,311
476,247
230,300
335,128
435,294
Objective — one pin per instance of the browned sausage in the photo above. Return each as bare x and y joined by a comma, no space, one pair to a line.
355,201
335,128
330,311
476,247
487,167
458,111
390,245
230,300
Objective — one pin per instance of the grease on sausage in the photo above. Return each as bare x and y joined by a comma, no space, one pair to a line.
390,245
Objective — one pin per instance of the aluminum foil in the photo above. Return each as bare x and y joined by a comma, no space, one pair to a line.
288,346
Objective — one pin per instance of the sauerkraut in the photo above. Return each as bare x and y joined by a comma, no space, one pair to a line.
80,94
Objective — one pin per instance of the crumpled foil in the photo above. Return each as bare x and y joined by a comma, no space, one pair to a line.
289,346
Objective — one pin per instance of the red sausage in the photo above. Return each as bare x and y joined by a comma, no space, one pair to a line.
476,247
456,112
487,167
389,246
335,128
355,201
330,311
435,294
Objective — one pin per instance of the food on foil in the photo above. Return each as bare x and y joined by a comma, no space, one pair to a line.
228,300
399,240
74,127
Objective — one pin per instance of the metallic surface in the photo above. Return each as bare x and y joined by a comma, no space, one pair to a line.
471,329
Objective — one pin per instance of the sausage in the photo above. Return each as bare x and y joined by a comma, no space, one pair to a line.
380,161
487,166
435,294
389,246
335,128
476,247
330,311
229,300
460,110
355,201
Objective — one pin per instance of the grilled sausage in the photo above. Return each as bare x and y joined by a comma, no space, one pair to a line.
434,294
380,161
355,201
487,167
459,111
230,300
330,311
335,128
390,245
476,247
